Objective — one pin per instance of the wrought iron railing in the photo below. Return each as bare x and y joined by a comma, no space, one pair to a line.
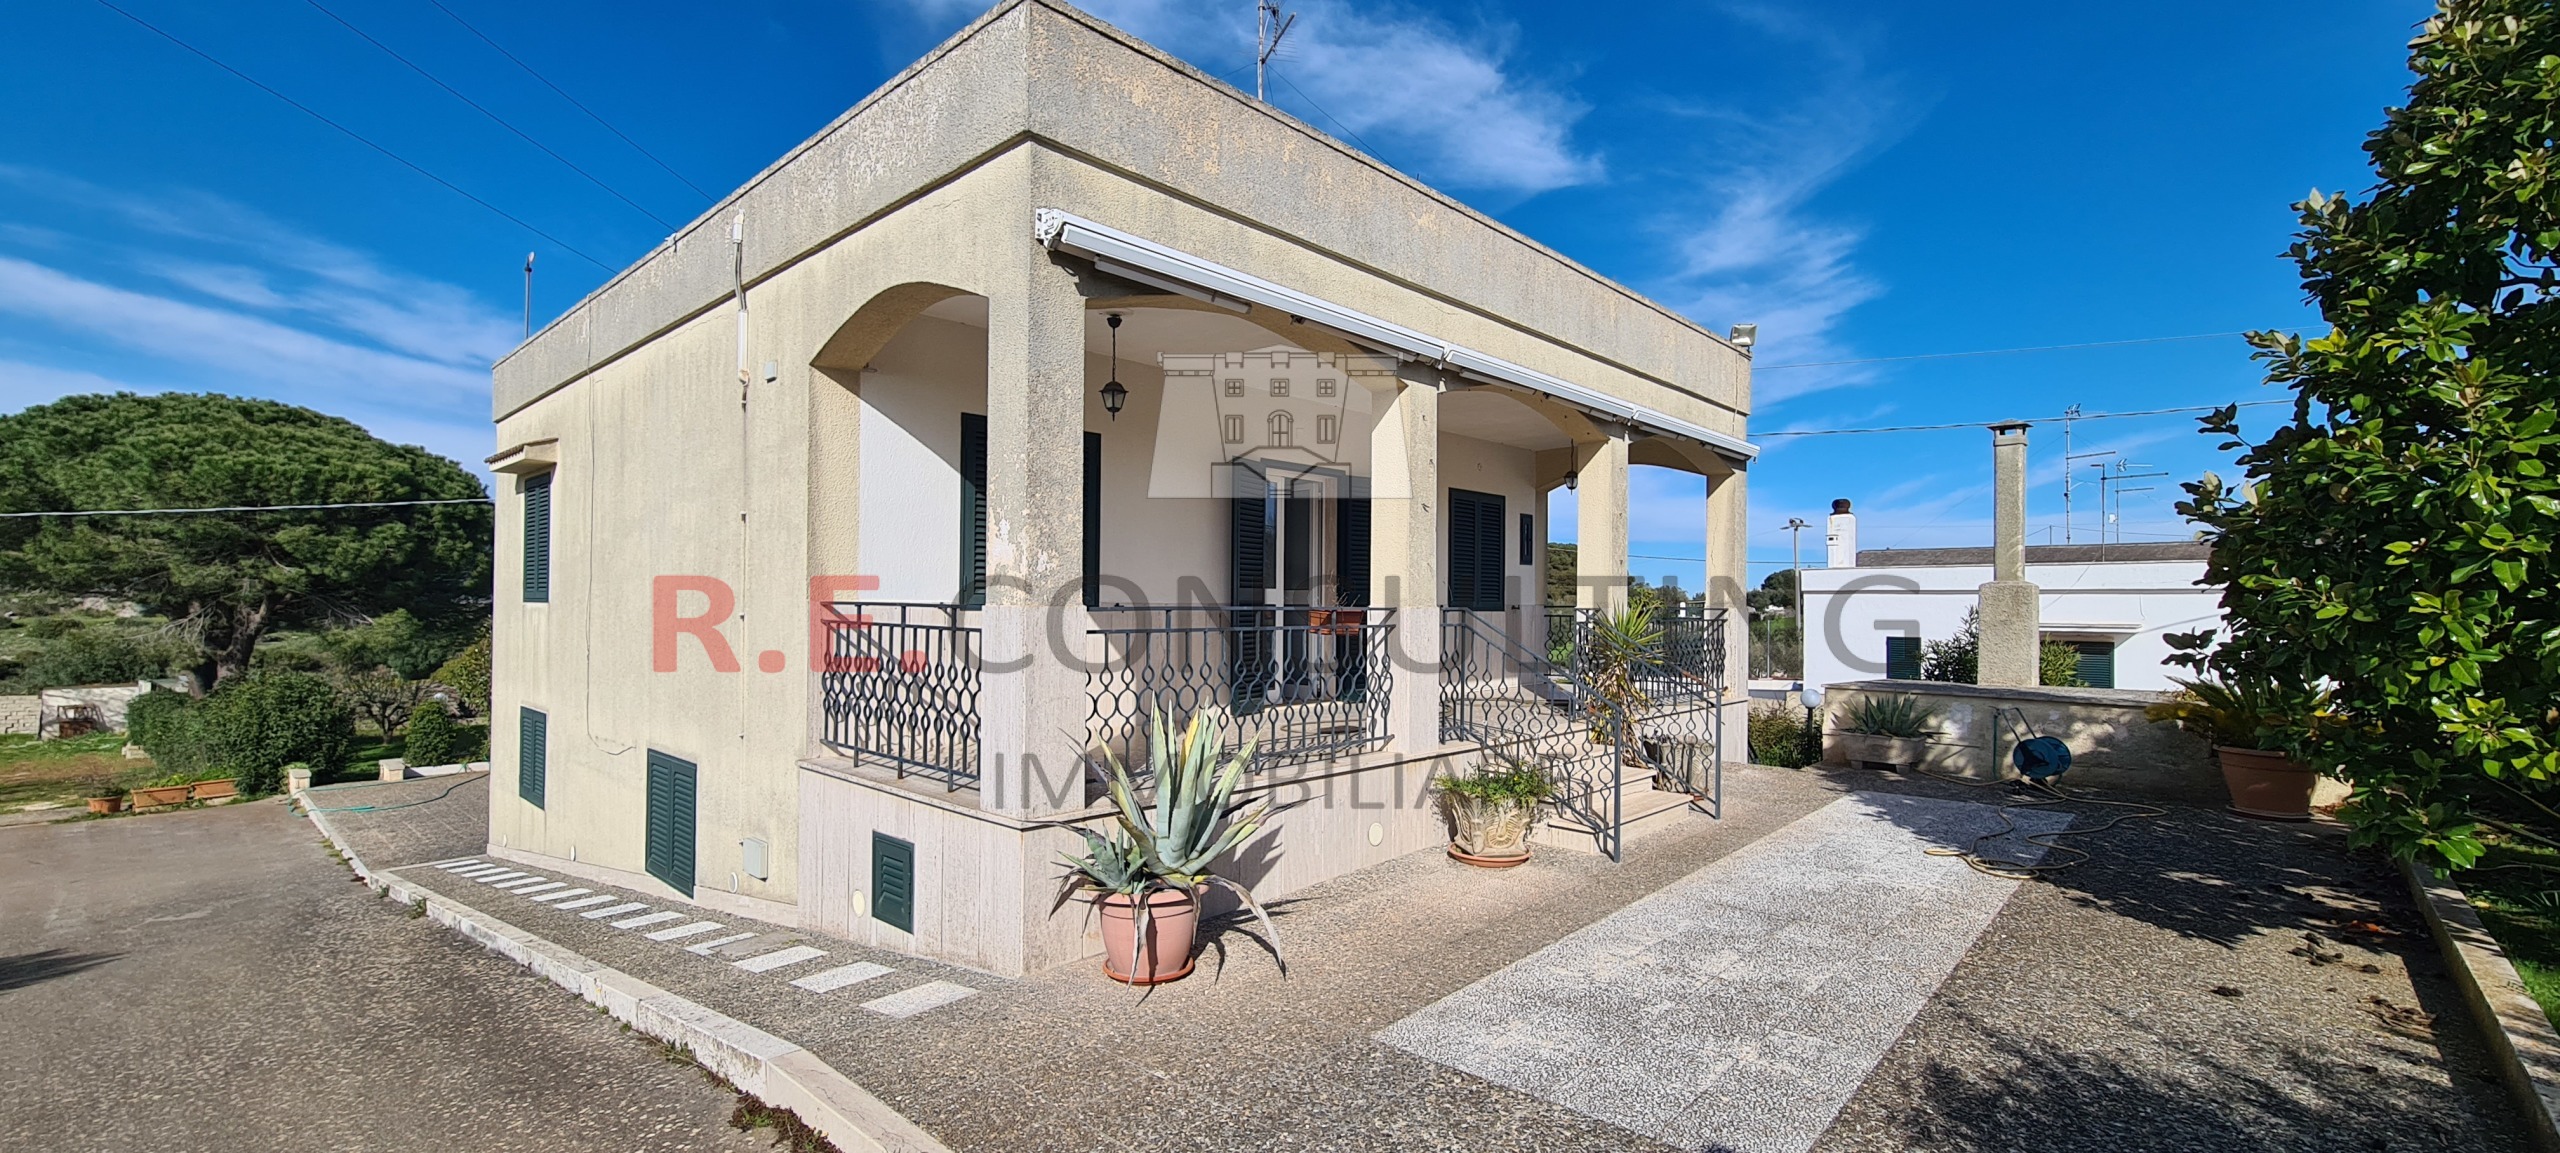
900,686
1302,684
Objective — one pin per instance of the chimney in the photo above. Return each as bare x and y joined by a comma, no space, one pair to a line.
1841,534
2010,606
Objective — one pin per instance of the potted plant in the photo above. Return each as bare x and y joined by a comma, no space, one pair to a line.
104,795
1612,665
2243,718
1493,809
168,790
1147,871
1890,732
216,789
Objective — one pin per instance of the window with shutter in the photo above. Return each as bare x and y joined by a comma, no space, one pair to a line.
1249,529
669,840
973,509
533,756
1475,550
1902,658
2097,663
537,538
1092,519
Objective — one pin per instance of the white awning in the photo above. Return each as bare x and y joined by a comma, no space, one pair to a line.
1133,258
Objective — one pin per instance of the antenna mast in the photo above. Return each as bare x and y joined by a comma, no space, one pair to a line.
528,296
1269,25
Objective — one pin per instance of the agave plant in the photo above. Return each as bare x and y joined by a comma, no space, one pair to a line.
1888,716
1168,844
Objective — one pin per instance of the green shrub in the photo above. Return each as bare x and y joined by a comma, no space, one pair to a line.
94,656
1779,737
1958,659
434,738
1888,716
467,674
262,722
2058,665
158,721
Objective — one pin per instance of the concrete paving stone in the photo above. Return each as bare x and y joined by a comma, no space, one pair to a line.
563,895
909,1002
779,958
614,910
520,886
647,919
544,887
830,980
501,875
705,948
681,932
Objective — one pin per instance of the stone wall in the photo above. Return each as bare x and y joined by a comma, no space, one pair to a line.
2113,747
110,700
19,714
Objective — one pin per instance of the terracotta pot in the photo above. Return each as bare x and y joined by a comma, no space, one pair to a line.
1873,750
216,790
1520,858
1173,921
153,796
104,805
2266,784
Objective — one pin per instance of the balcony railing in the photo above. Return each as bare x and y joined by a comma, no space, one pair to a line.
1302,684
900,686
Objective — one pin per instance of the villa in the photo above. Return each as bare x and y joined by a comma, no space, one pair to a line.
1055,386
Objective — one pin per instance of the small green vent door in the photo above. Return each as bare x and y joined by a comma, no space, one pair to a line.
893,882
533,756
671,830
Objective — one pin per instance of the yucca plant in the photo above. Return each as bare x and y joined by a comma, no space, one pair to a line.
1888,716
1168,843
1621,644
2240,713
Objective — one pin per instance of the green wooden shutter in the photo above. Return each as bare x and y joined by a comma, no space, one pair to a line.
670,839
2097,663
1475,550
1528,539
1902,658
893,881
533,756
537,538
1092,519
1351,539
1249,669
973,509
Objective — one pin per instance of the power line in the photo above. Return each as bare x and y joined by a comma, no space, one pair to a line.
1337,121
1999,351
245,508
573,101
1986,423
354,135
494,118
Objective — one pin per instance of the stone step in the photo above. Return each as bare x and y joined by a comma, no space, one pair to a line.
1565,832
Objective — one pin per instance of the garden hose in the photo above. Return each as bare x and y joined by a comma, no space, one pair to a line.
2022,870
308,807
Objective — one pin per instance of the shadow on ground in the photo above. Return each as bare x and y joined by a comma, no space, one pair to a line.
44,965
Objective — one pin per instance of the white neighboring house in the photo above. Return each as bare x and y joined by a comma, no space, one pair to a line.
2114,602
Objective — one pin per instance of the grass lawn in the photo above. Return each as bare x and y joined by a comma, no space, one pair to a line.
2516,888
361,760
34,772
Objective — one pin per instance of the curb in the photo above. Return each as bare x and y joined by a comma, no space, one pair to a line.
2521,1038
771,1069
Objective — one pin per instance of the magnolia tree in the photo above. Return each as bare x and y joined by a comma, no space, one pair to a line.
2391,553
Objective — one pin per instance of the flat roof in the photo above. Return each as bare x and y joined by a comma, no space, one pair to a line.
2147,551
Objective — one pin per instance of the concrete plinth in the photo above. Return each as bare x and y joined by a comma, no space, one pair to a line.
2010,633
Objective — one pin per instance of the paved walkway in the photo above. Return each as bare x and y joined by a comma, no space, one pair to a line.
211,981
1800,975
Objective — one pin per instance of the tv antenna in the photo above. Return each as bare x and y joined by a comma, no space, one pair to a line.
1269,25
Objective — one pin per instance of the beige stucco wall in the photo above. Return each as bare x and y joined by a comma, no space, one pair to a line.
2113,746
845,471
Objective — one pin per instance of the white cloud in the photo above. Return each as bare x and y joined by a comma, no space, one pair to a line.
224,340
1431,97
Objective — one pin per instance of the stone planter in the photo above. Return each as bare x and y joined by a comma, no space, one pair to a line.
1489,834
1877,751
2264,784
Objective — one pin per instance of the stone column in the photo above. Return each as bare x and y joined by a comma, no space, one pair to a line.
1404,550
2010,605
1032,704
1728,589
1600,524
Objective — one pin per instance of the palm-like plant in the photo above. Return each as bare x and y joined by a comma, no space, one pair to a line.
1621,644
2247,712
1169,844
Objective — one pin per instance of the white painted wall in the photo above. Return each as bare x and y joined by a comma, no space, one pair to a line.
1850,611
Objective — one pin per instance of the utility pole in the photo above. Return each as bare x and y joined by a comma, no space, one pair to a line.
2068,415
1795,570
1268,27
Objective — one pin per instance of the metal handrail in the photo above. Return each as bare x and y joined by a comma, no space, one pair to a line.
1302,683
900,685
1518,704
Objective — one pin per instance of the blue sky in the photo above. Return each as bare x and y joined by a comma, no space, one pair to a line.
1861,180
